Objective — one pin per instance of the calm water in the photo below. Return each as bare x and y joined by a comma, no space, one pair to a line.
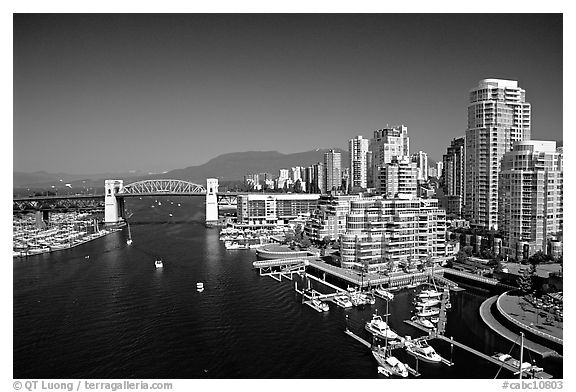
115,316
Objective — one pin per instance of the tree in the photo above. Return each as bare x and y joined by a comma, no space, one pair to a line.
298,231
326,241
305,243
538,258
288,237
468,250
526,281
461,256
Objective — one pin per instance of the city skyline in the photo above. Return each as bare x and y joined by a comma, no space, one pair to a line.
114,93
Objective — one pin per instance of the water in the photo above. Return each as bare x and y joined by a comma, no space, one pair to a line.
115,316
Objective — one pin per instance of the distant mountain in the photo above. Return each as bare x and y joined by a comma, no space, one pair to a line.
234,166
226,167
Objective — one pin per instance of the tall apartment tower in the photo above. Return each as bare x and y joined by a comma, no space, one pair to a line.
498,116
318,175
358,148
333,167
531,192
398,178
454,177
421,160
389,143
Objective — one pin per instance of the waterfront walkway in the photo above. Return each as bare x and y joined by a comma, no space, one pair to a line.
496,326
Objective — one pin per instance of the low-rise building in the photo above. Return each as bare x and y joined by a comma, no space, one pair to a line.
273,209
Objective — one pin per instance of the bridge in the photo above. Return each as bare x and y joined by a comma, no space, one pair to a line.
112,201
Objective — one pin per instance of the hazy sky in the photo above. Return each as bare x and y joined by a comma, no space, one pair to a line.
111,93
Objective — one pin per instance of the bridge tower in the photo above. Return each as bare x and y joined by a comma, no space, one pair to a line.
113,206
211,201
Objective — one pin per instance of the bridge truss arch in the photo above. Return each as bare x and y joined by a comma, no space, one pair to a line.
159,187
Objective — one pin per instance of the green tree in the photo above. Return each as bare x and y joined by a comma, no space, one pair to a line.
526,281
305,243
461,256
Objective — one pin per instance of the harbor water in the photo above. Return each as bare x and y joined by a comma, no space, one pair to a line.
114,315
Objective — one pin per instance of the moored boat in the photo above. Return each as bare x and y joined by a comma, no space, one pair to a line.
323,306
379,328
422,350
200,286
158,263
423,322
343,301
389,365
380,292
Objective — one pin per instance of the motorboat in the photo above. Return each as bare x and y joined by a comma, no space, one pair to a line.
429,294
427,303
412,285
379,328
200,286
422,350
434,319
158,263
427,312
390,365
506,358
323,306
343,301
423,322
235,245
384,294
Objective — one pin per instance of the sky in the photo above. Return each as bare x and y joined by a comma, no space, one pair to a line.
153,92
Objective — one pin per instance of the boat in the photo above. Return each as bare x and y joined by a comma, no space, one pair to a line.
427,312
235,245
170,214
506,358
390,365
412,285
200,286
434,319
129,241
429,294
379,328
427,302
158,263
422,350
343,301
380,292
323,306
423,322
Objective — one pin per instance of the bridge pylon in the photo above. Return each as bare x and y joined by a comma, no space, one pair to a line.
113,206
211,201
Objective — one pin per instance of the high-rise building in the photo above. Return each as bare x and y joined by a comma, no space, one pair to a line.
498,116
439,169
421,160
389,143
399,231
531,192
333,167
454,177
358,148
398,177
318,182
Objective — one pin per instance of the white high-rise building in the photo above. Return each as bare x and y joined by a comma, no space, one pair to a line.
421,160
397,178
454,177
531,193
358,148
498,116
333,167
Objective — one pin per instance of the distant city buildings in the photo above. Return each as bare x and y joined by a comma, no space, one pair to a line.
498,116
531,197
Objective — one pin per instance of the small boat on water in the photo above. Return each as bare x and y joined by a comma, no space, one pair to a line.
385,294
158,263
200,286
323,306
429,294
427,312
235,245
379,328
129,241
343,301
427,303
422,350
390,365
423,322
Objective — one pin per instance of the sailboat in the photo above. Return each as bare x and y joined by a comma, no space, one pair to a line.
129,241
388,364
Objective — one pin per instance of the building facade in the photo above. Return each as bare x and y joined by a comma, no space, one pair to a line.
333,167
398,177
329,218
358,148
454,175
498,116
531,197
384,232
421,160
273,209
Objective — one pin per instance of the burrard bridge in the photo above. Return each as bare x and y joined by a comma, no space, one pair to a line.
115,192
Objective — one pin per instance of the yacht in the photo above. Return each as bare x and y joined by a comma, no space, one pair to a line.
423,322
323,306
422,350
235,245
200,286
384,294
158,263
379,328
427,312
343,301
429,294
427,303
390,365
